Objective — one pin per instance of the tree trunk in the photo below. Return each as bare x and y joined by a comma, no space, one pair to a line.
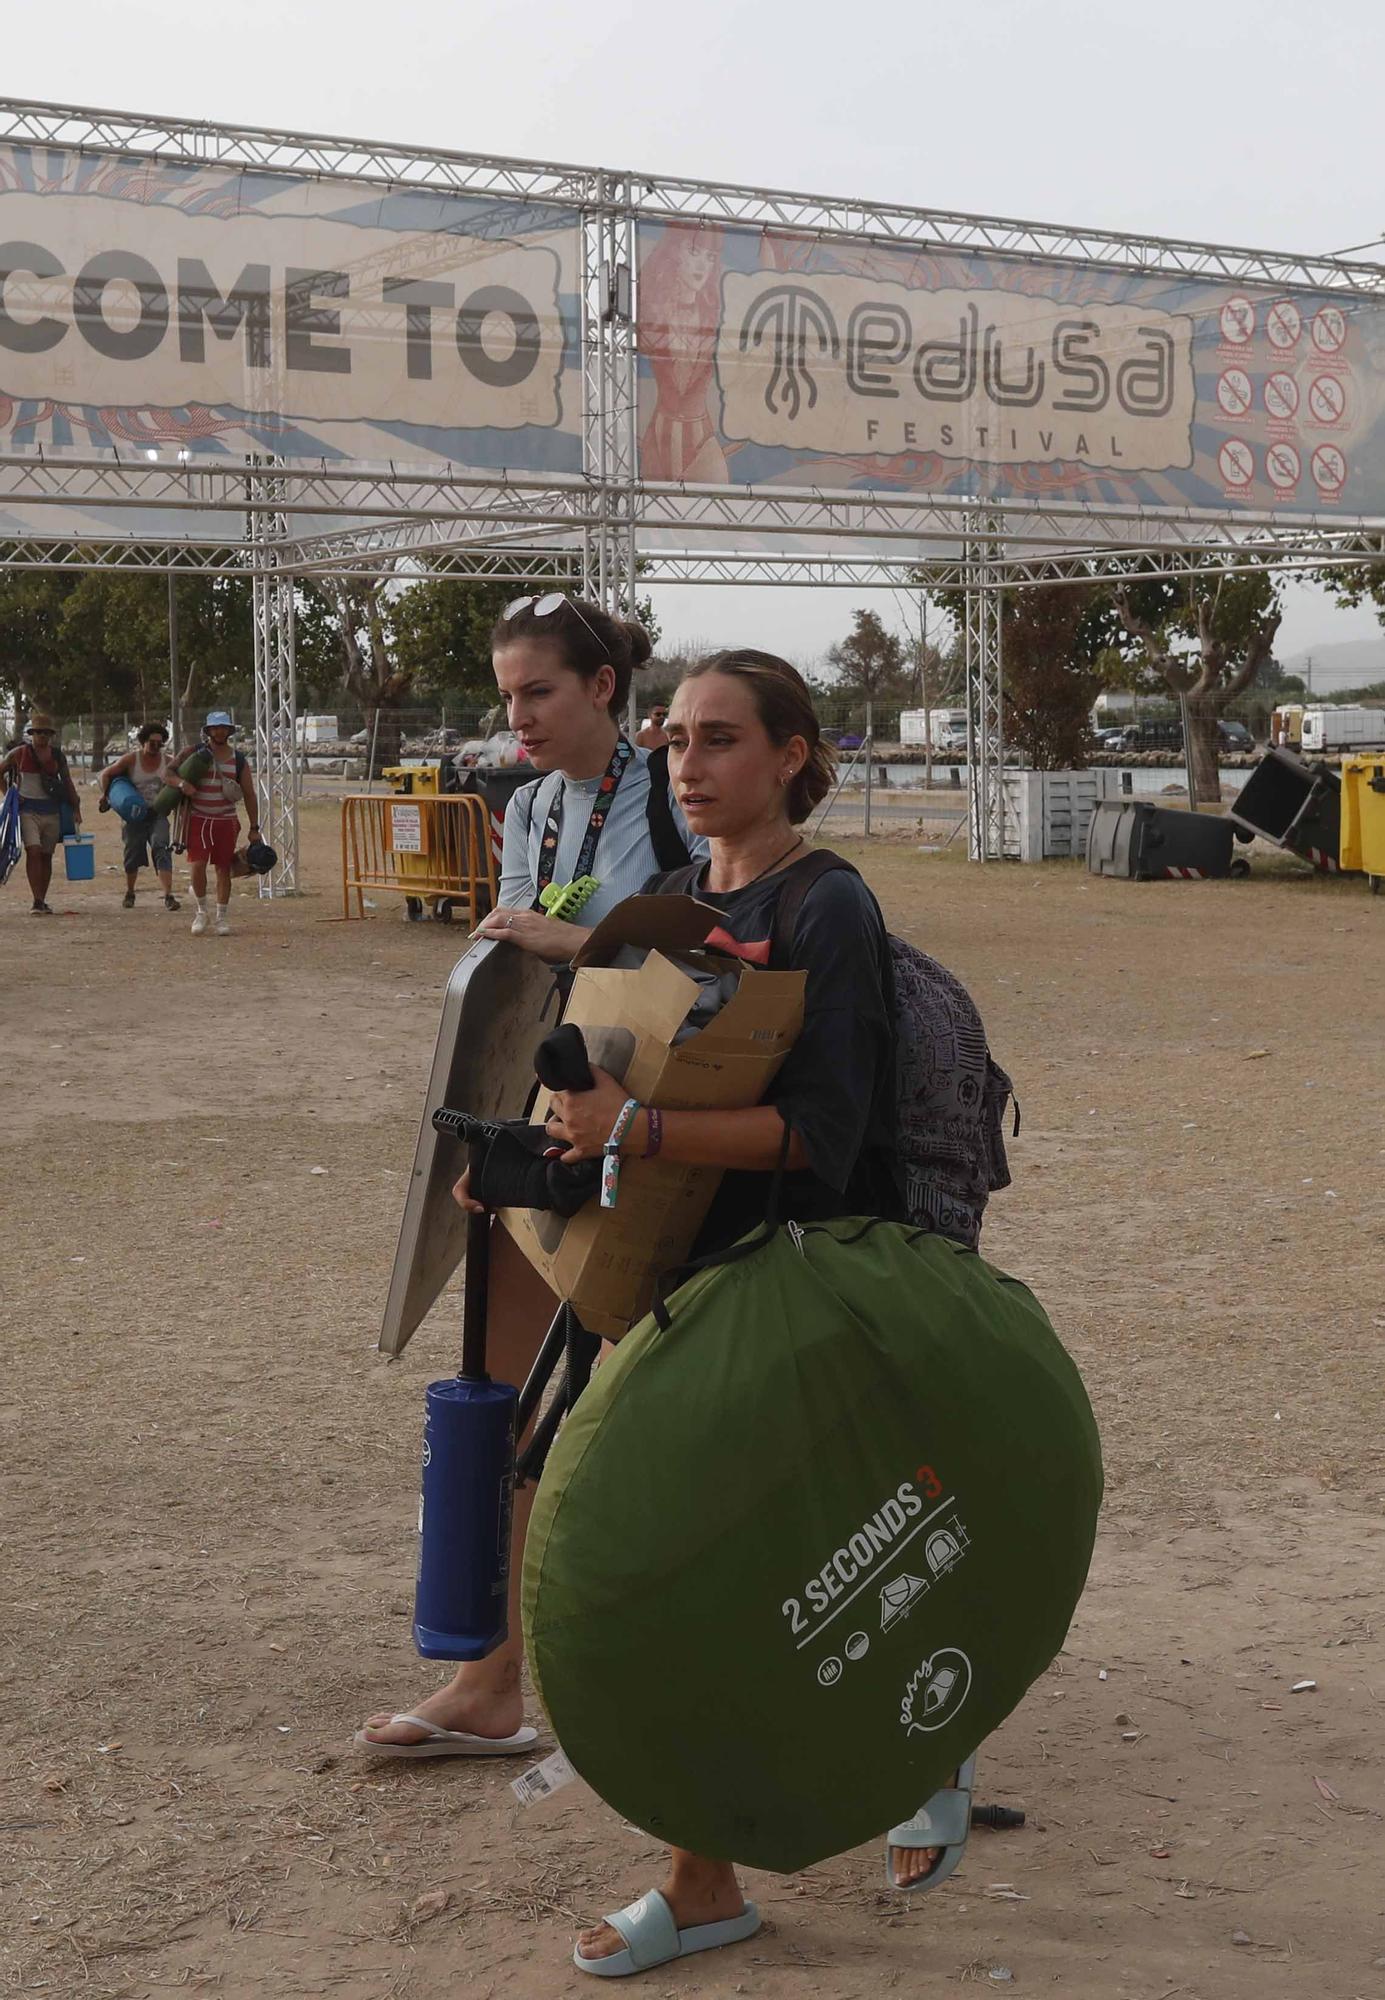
1205,749
384,736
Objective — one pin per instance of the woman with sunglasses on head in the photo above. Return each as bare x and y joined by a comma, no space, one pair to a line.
748,766
599,809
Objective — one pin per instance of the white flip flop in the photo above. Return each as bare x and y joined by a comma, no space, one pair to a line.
446,1742
652,1937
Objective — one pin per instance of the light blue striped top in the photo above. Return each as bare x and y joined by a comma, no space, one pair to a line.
625,857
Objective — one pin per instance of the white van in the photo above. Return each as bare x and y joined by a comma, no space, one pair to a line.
1346,727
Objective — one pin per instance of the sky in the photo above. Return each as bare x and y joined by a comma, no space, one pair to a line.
1250,124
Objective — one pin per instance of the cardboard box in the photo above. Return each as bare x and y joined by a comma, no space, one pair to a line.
606,1260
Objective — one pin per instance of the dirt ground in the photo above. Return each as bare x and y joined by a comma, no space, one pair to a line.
210,1476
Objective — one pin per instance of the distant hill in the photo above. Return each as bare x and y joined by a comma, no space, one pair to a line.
1346,663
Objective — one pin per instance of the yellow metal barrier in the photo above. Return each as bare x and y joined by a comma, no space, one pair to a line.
435,850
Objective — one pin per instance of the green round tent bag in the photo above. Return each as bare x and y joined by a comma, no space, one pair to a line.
799,1551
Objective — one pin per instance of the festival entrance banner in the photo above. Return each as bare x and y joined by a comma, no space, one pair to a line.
773,359
222,312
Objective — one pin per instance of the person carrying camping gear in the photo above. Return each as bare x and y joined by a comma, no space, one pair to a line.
212,818
749,766
600,810
39,771
147,771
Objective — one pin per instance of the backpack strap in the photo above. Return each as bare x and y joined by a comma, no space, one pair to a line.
798,880
670,848
675,881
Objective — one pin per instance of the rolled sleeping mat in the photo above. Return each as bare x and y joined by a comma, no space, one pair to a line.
130,802
194,768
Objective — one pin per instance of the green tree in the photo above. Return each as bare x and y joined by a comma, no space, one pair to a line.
1056,659
1204,640
1358,583
870,663
96,643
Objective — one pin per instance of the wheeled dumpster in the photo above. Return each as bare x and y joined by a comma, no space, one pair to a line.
1148,843
1363,817
1296,805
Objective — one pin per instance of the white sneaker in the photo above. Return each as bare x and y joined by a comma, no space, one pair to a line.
199,923
223,927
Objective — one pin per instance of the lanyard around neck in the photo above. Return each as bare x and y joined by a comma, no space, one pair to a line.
552,826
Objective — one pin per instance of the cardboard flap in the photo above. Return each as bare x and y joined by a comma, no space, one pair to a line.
658,923
654,1000
766,1010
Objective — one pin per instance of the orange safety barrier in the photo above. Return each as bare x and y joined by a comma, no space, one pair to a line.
434,850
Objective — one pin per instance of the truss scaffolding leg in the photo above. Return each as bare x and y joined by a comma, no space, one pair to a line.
609,396
276,760
985,734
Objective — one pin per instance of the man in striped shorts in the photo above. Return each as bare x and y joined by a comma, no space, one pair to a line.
213,820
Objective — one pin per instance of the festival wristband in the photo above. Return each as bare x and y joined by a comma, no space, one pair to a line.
655,1120
610,1152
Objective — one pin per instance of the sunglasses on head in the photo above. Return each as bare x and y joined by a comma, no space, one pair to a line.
544,606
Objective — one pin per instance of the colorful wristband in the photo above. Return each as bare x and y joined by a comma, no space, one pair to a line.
656,1133
610,1152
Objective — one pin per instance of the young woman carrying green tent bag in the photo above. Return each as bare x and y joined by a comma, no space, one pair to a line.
748,767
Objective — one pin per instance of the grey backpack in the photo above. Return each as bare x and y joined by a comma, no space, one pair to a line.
952,1093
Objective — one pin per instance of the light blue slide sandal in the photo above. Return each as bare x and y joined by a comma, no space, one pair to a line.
653,1938
945,1821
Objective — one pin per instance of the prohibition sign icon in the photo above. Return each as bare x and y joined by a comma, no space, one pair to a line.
1238,321
1327,399
1283,323
1234,392
1329,468
1237,462
1329,329
1281,396
1283,465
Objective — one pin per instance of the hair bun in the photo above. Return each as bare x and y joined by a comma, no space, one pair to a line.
638,641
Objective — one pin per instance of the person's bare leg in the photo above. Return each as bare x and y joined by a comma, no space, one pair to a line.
197,868
38,866
697,1890
223,885
165,876
484,1697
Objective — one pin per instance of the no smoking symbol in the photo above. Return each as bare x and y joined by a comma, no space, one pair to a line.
1283,323
1329,468
1329,329
1283,465
1281,396
1234,392
1237,462
1237,321
1326,399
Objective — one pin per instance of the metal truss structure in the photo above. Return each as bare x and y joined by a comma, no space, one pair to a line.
276,521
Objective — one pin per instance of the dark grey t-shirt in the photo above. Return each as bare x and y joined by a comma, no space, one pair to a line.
836,1088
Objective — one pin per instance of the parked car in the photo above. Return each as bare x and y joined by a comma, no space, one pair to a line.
1111,739
1235,736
